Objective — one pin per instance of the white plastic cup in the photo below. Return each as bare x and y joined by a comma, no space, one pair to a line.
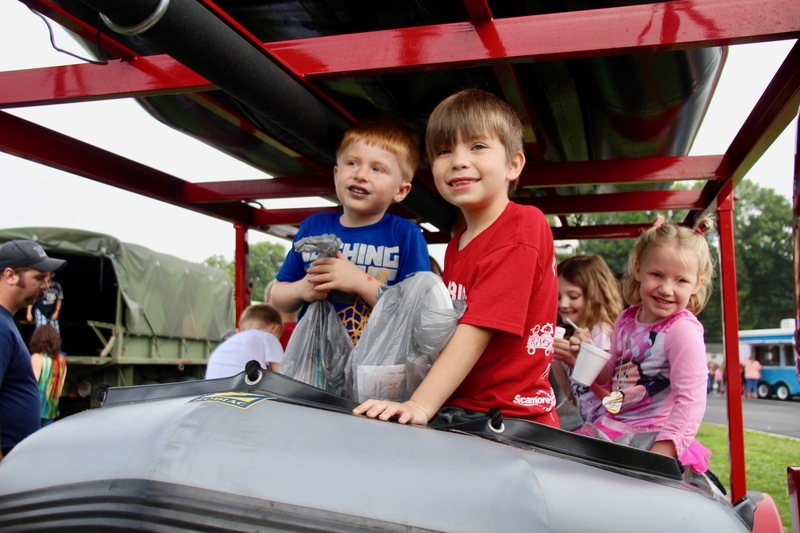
589,363
560,332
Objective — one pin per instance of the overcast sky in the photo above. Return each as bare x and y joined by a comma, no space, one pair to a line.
35,195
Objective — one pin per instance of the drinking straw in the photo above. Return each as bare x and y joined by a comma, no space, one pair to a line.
571,323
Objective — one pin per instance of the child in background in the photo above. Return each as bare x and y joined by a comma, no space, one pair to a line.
719,377
589,296
49,369
289,319
48,307
658,357
502,264
375,163
260,327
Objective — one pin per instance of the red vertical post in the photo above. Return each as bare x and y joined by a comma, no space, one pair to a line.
796,252
730,320
241,291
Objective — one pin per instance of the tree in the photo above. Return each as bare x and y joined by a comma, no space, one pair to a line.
264,262
266,259
218,261
616,251
763,234
763,245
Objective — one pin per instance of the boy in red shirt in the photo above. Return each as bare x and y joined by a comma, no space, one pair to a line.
502,263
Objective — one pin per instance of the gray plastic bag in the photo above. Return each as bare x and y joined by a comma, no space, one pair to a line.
319,349
407,329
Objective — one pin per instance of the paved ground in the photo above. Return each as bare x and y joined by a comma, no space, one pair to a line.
770,416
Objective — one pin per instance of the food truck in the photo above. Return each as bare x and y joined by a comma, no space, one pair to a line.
774,349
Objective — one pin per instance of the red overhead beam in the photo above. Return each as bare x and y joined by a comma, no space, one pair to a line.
147,76
642,170
618,202
649,170
773,112
264,218
631,29
226,191
611,231
36,143
558,36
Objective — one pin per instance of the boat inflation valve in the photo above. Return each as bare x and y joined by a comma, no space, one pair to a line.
253,372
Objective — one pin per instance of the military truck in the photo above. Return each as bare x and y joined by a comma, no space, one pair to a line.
131,315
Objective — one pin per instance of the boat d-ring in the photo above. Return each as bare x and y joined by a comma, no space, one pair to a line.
495,422
501,429
256,377
253,372
143,26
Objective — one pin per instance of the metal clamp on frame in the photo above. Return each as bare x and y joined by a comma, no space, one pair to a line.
143,26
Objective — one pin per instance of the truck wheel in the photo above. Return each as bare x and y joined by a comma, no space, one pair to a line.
782,391
764,390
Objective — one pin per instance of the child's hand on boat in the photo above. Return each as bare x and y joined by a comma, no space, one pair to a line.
405,413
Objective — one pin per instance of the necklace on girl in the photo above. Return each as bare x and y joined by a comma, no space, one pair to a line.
613,402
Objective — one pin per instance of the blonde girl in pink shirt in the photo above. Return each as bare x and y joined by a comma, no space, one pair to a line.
657,374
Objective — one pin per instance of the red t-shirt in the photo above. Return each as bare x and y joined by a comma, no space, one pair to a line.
507,275
288,329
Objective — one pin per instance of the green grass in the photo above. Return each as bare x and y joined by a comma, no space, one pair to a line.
766,456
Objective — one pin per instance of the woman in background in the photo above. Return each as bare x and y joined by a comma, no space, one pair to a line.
49,368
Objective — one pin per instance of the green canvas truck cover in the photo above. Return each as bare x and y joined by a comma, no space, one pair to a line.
163,295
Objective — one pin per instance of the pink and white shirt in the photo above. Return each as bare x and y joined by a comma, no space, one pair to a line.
660,368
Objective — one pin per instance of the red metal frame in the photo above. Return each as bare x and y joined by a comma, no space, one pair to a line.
484,40
793,481
539,37
730,311
243,291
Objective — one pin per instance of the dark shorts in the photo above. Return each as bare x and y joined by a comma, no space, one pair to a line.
751,385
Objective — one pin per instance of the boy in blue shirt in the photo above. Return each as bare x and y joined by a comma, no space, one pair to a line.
375,163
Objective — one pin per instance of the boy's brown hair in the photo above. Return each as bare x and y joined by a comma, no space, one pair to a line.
472,114
259,316
389,136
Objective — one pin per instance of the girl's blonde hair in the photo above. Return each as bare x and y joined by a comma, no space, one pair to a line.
601,291
683,240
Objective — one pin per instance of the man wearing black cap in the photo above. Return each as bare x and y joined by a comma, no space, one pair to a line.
23,279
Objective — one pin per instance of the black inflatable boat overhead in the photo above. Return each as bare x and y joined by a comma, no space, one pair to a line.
629,106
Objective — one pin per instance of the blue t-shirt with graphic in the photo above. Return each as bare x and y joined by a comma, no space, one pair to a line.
389,250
